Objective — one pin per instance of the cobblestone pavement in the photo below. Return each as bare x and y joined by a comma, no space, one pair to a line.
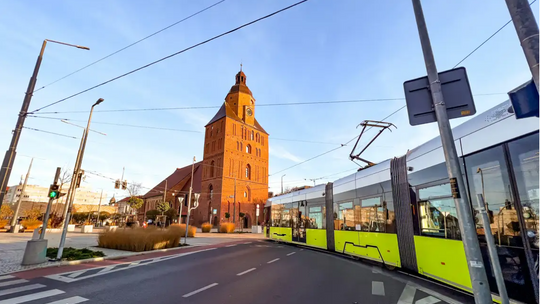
12,246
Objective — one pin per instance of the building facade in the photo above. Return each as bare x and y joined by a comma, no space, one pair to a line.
235,163
39,194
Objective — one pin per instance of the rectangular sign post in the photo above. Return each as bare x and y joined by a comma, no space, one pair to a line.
477,271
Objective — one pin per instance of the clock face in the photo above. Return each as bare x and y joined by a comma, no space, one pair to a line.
249,112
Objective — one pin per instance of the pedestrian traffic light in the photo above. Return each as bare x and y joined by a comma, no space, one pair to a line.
117,184
53,192
124,185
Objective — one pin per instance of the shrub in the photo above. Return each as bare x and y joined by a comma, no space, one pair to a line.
206,227
72,254
141,239
3,223
31,224
226,228
182,229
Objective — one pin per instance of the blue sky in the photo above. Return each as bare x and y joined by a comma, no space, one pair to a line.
318,51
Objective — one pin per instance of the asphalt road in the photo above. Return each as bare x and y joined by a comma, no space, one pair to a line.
251,272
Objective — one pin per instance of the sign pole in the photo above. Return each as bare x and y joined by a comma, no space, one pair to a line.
475,264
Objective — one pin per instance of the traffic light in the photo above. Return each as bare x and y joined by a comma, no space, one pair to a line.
124,185
117,184
53,192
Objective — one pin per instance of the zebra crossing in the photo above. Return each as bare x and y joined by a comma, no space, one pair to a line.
14,291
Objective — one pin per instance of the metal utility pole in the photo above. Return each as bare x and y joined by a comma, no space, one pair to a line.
189,199
9,158
48,211
527,31
492,249
14,225
475,264
71,190
74,181
99,206
282,183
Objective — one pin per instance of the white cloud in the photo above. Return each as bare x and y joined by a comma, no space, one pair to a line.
280,152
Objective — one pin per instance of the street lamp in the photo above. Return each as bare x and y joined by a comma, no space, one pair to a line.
74,181
9,158
282,183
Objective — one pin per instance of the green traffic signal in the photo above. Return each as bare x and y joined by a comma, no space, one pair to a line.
53,191
53,194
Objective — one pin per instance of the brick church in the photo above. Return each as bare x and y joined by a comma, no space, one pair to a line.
235,162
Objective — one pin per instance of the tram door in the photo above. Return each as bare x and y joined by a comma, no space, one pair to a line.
507,176
298,214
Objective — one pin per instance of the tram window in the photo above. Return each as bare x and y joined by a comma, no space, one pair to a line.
442,190
286,216
372,216
276,215
438,217
390,213
345,216
315,217
487,174
524,155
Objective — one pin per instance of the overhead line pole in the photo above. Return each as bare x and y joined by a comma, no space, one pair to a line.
477,271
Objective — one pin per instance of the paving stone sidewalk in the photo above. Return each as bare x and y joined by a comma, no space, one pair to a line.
12,247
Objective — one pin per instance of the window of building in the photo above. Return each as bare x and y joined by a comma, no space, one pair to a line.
437,212
248,194
241,146
252,135
258,137
210,191
211,130
248,149
248,171
212,167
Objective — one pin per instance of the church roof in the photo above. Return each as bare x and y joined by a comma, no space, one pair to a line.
178,176
226,111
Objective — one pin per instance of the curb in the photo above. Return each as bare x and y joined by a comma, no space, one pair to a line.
78,262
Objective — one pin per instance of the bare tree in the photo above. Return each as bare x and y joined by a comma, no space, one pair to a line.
134,189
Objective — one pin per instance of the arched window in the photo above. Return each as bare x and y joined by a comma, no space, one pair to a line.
252,135
212,165
210,191
248,171
258,137
248,149
237,146
248,194
240,146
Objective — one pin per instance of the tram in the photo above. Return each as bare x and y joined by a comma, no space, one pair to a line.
401,213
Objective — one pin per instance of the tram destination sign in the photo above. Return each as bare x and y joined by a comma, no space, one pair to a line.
456,93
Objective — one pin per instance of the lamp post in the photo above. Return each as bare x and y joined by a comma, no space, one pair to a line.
282,183
74,181
9,158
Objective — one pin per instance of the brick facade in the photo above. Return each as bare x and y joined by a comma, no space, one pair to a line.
235,156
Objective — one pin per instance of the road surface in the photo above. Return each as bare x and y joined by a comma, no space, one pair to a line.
250,271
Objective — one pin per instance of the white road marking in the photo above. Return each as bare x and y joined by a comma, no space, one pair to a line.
32,297
428,300
244,272
301,249
407,296
6,277
288,254
377,288
375,269
20,289
231,245
78,273
72,300
272,261
196,291
14,282
64,277
107,269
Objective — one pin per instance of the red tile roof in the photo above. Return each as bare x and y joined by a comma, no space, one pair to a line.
178,176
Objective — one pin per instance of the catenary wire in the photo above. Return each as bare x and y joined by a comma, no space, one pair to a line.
172,55
130,45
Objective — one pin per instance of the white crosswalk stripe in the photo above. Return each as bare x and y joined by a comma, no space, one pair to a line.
14,290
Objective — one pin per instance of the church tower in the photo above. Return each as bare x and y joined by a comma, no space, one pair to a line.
235,174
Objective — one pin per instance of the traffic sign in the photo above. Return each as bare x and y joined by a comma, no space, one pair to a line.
456,93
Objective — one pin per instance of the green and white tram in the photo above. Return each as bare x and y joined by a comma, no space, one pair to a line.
401,213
